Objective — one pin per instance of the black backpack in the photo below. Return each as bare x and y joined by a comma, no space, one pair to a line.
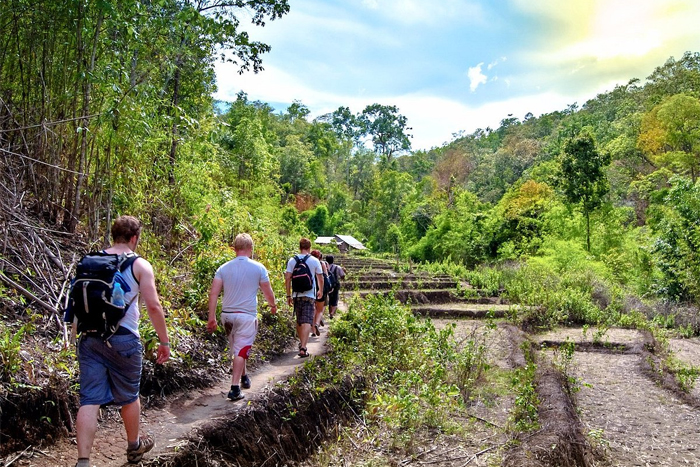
302,281
331,279
90,296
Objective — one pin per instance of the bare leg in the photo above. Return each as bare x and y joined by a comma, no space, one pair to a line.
237,370
131,414
303,331
85,428
319,313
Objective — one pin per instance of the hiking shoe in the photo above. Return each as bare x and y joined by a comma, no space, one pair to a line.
146,443
235,394
245,382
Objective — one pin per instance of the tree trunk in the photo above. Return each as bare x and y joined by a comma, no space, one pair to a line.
87,89
588,231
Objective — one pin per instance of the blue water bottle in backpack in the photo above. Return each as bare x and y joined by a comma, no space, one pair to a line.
118,295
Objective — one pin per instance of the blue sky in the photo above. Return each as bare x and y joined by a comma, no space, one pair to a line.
458,65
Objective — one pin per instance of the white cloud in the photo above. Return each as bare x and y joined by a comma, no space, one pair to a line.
476,77
495,62
434,120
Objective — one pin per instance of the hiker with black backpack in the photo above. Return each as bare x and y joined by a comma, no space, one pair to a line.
327,289
303,290
107,286
335,274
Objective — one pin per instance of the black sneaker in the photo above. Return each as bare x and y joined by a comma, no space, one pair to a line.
245,382
235,393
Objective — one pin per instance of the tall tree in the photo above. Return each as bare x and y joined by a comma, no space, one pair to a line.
583,176
388,130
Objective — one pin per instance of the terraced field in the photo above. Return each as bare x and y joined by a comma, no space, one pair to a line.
623,410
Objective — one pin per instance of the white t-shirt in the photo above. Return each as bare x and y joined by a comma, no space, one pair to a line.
241,278
314,266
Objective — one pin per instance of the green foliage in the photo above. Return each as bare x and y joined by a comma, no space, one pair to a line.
318,220
459,234
524,414
10,346
411,385
676,233
583,177
563,285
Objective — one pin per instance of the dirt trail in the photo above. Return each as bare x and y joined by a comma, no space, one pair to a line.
172,424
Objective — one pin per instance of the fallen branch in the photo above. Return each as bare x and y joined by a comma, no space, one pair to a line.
26,293
483,451
12,461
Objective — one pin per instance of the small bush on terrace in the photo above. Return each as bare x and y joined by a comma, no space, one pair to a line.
416,373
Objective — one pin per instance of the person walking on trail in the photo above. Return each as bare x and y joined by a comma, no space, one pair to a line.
339,274
110,370
303,290
320,302
240,279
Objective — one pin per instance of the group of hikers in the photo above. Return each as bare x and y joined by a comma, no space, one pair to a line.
110,358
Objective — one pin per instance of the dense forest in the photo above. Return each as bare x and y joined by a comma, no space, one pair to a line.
106,108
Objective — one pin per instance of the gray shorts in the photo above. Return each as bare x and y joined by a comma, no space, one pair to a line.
304,310
110,374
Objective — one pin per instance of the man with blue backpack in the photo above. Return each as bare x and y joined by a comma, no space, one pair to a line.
303,290
104,307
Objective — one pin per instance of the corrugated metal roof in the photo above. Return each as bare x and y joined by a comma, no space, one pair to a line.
324,240
351,241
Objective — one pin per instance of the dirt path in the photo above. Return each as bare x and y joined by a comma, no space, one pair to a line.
172,424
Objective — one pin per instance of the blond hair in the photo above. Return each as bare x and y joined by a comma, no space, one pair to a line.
243,241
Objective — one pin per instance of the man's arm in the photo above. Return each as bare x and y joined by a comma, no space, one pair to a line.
143,271
216,286
319,282
269,294
288,287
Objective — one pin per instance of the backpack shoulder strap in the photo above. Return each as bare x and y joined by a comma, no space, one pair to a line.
127,261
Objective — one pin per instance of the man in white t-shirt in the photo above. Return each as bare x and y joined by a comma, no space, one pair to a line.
239,279
304,301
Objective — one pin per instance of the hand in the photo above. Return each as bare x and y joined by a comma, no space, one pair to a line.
211,325
289,301
163,354
273,309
